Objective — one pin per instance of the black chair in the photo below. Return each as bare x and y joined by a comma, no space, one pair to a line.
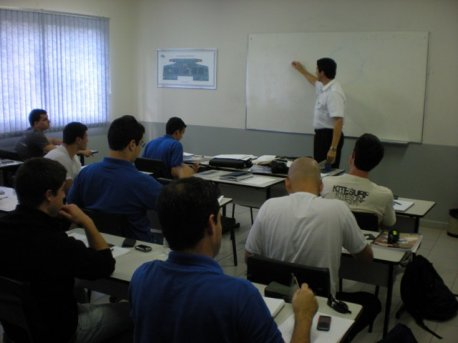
265,270
14,299
156,167
366,220
111,223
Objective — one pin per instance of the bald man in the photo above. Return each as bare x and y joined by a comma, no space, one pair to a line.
304,228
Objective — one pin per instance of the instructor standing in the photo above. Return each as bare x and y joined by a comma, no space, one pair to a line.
329,110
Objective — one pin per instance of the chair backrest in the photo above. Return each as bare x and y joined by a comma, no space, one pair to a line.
265,270
112,223
156,167
14,299
366,220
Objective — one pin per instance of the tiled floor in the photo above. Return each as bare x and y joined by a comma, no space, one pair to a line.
437,246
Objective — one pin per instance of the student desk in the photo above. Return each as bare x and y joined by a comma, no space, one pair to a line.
254,190
323,307
381,272
8,199
414,213
8,166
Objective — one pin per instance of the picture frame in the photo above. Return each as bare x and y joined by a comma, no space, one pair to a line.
186,68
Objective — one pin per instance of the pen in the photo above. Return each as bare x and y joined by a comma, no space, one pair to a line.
396,202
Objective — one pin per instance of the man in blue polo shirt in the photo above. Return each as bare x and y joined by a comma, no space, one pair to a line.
115,185
169,149
187,298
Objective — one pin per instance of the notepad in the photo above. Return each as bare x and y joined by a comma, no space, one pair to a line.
402,205
274,305
236,176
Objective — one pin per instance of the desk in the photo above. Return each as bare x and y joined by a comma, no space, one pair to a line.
381,272
7,165
8,199
323,307
259,187
417,211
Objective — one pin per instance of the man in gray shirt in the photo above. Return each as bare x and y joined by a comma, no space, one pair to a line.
34,143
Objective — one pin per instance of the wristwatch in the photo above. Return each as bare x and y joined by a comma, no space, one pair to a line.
332,148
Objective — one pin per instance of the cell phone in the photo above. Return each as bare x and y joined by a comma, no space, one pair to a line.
128,243
324,323
143,248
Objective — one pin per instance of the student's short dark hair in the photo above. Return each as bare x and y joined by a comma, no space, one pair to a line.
122,130
173,124
184,207
368,152
36,176
328,66
35,115
72,131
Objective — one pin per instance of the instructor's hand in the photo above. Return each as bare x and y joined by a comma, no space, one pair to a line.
298,66
331,157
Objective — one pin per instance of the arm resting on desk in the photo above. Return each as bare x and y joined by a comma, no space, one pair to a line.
365,255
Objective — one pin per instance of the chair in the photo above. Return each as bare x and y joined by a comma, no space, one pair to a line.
156,167
111,223
366,220
14,299
265,270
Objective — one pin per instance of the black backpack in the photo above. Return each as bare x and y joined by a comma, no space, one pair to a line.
425,295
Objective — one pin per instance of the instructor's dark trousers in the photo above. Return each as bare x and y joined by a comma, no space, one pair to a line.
321,144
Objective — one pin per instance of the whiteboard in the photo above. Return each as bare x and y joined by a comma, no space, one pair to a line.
383,75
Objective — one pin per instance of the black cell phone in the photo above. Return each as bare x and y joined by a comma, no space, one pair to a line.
324,323
143,248
128,243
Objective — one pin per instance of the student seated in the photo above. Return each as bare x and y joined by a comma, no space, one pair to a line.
34,248
75,140
114,185
187,298
356,189
169,149
34,143
307,229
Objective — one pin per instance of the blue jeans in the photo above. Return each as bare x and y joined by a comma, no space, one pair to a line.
104,322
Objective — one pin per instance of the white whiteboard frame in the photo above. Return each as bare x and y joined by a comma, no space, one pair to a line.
382,73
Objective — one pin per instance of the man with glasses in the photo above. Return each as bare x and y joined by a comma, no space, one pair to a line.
114,185
34,143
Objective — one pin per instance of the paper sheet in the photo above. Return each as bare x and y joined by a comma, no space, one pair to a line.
115,250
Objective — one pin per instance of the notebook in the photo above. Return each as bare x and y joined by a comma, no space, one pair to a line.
274,305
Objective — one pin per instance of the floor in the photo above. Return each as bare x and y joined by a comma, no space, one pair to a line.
439,248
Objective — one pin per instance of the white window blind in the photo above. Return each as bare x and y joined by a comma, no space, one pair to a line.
57,62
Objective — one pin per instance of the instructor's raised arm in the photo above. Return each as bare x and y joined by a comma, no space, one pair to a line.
301,69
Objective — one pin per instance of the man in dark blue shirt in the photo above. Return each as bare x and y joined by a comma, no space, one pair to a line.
114,185
169,149
187,298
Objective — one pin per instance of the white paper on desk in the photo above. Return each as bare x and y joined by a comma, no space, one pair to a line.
264,159
274,305
402,205
115,250
257,180
339,326
187,154
235,156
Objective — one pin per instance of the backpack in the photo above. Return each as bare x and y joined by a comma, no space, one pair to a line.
399,334
425,295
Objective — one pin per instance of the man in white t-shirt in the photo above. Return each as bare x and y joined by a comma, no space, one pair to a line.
356,189
307,229
328,116
74,141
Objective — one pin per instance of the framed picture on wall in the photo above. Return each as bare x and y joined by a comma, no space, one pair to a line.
186,68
